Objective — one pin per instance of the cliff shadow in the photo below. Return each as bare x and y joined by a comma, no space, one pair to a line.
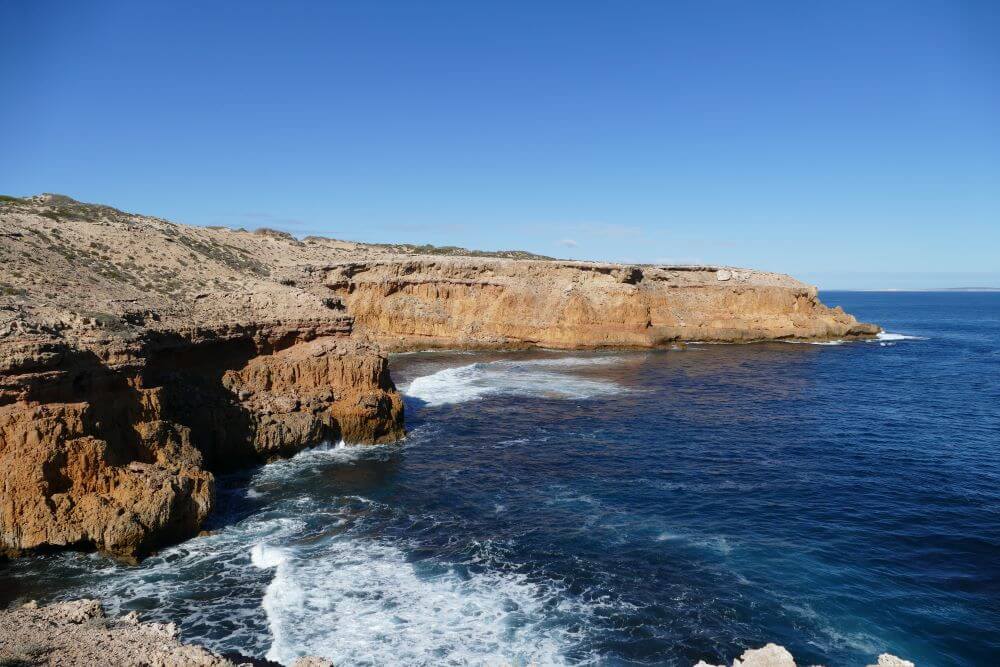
189,379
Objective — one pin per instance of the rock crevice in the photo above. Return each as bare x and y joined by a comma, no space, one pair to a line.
114,449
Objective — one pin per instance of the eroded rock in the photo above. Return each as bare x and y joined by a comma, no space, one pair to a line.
889,660
772,655
422,302
118,456
78,634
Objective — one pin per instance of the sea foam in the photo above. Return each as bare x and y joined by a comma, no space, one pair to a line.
266,557
361,602
273,475
881,337
545,378
887,336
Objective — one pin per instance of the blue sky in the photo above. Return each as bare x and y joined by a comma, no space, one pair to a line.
852,144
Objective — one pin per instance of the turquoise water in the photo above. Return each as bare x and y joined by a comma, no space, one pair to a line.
621,508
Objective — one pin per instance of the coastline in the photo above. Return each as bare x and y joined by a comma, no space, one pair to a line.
297,354
117,365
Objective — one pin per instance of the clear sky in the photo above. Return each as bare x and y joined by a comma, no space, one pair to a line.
851,143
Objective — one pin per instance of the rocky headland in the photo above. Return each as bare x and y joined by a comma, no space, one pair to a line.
138,356
425,301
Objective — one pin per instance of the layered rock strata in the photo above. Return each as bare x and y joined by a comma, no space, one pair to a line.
110,445
419,302
121,395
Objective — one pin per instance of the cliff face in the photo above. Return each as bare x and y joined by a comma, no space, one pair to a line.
137,355
461,302
136,359
109,445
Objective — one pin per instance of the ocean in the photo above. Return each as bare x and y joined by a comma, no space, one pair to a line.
619,508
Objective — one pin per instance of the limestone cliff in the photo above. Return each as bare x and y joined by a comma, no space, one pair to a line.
137,356
108,445
120,393
474,302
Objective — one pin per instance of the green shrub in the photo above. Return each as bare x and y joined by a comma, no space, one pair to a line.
8,290
104,320
276,233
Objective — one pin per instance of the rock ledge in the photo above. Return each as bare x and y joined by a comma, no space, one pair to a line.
78,634
772,655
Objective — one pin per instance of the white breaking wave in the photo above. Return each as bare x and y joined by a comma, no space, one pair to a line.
538,377
838,341
565,362
273,474
887,336
352,599
266,557
881,337
211,568
362,603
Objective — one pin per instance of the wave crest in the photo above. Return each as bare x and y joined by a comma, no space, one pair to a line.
543,378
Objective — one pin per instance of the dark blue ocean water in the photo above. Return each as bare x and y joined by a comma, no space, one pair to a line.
622,508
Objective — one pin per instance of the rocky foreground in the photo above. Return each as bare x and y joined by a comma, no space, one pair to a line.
773,655
138,357
78,634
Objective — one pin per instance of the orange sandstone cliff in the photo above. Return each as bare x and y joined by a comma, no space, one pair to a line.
139,356
136,359
421,302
